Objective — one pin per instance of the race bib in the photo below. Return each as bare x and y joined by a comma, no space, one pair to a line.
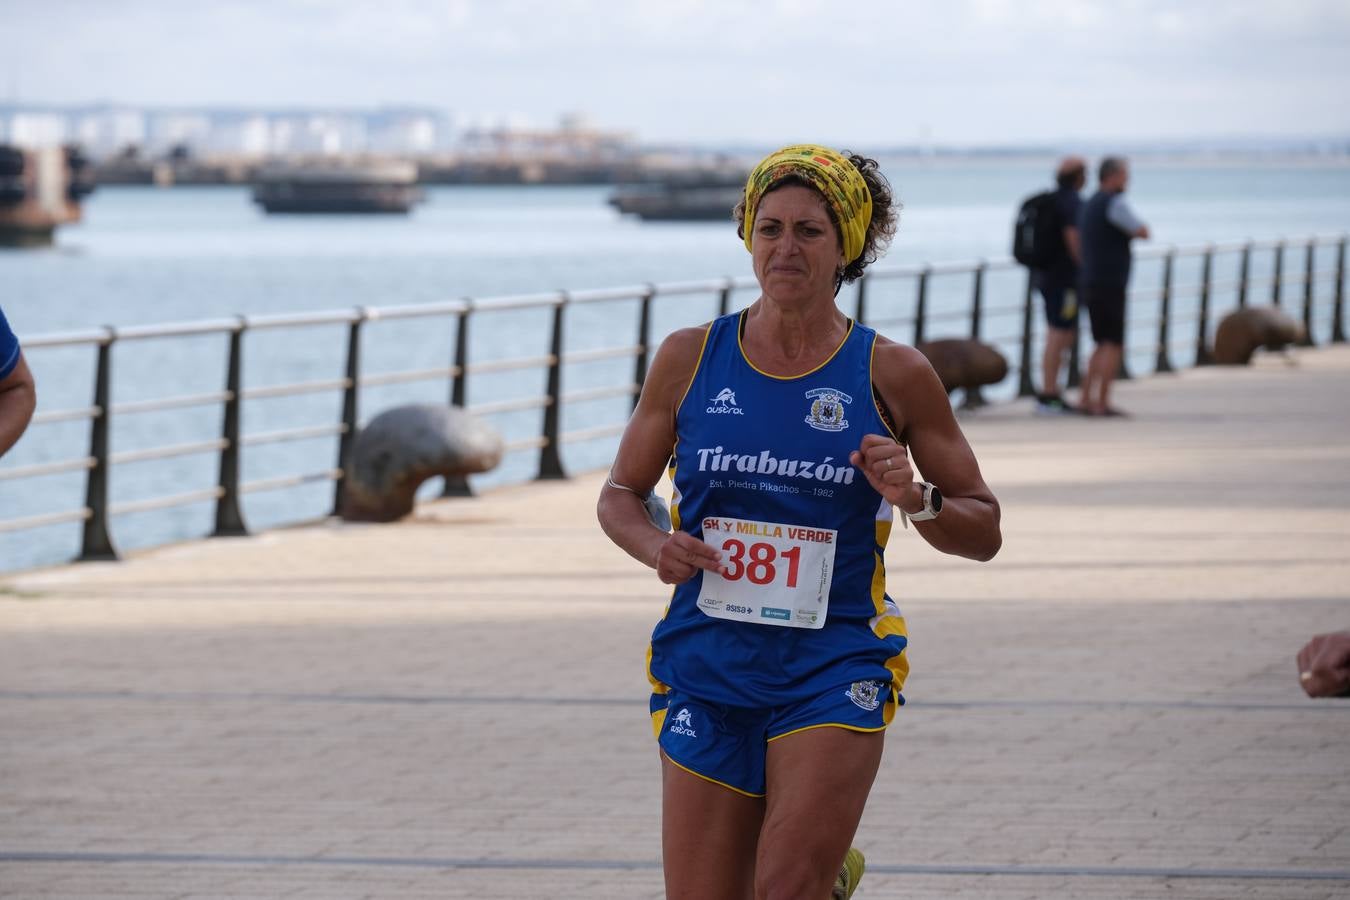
772,574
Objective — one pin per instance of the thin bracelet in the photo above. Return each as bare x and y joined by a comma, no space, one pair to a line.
609,480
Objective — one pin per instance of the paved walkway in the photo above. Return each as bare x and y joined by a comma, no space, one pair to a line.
454,707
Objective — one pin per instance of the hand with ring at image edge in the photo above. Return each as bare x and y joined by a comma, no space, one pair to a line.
1324,665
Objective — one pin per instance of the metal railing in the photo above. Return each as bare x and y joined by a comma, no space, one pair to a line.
920,321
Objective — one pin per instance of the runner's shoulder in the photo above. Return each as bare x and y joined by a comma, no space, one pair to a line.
677,359
680,350
896,360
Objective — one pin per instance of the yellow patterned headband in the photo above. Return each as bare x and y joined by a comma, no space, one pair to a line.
830,173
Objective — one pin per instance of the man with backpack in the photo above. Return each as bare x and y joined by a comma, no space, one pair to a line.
1046,241
1107,225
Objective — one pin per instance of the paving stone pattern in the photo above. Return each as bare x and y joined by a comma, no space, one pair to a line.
454,706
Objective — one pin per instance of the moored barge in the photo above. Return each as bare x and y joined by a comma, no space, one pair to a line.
388,186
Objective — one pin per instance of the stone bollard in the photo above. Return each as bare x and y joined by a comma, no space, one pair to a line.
965,363
403,447
1241,332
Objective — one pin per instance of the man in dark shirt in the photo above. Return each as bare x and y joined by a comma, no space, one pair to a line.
1058,284
1106,226
17,394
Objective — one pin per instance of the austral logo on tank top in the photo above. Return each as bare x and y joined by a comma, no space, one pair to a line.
725,404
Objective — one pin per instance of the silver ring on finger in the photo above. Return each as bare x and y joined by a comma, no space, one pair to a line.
890,464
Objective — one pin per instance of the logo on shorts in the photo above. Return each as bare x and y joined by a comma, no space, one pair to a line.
864,694
684,723
725,403
827,409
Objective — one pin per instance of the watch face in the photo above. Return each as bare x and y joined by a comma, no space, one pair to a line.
935,500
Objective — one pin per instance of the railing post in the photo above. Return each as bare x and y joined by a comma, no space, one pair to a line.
973,398
229,518
1163,363
921,305
459,383
550,459
1338,304
349,407
1308,260
458,485
860,316
977,301
724,299
1026,387
1279,273
97,542
1243,271
644,339
1202,354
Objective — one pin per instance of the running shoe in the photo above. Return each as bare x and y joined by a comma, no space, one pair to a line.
1052,405
849,875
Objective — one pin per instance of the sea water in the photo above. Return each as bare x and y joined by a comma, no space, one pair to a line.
148,255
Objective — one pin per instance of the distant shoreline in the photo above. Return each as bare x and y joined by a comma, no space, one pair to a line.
441,171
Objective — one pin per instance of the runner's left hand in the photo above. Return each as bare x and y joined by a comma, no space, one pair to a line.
885,463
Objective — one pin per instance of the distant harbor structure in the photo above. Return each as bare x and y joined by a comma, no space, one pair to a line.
39,190
704,196
338,186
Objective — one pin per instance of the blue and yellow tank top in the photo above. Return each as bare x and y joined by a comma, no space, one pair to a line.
760,470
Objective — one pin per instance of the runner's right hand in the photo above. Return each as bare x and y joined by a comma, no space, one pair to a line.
682,555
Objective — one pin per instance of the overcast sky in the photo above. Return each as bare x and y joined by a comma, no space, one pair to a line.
714,71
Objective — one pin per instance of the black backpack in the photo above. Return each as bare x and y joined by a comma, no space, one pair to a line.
1036,233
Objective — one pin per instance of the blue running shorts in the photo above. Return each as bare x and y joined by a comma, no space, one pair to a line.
727,745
